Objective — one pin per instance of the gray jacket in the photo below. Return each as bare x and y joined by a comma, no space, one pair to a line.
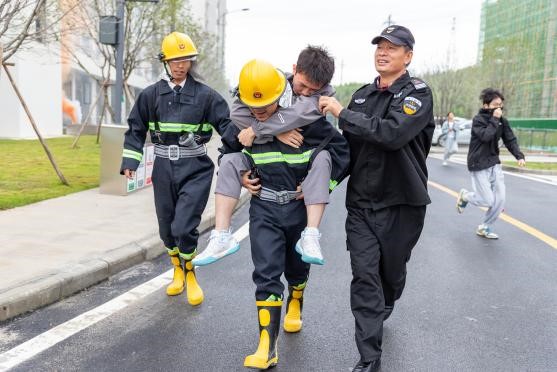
294,112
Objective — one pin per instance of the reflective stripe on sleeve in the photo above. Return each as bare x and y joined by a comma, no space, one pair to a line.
132,154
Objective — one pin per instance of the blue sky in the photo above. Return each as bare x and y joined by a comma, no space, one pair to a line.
278,30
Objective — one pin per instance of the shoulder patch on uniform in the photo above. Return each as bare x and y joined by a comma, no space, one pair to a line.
418,84
411,105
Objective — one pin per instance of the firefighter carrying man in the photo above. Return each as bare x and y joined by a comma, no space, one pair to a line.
277,217
180,114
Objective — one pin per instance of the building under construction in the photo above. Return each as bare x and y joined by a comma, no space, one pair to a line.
518,53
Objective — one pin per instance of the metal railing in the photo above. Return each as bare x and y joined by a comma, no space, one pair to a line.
537,139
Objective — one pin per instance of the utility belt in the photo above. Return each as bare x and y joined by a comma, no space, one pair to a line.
175,152
279,197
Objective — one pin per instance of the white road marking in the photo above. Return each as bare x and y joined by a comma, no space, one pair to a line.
46,340
537,178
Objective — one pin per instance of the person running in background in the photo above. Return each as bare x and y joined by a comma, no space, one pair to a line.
484,164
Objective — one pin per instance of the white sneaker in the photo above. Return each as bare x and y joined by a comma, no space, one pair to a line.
221,244
461,202
308,246
485,232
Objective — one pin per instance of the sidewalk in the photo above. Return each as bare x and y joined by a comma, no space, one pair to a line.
54,248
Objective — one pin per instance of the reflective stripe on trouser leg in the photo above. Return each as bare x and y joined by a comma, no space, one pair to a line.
274,230
181,190
316,184
229,177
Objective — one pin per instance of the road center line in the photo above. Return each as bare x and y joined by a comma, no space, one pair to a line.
552,242
46,340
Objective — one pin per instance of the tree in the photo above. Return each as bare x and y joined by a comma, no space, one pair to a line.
21,22
146,24
25,21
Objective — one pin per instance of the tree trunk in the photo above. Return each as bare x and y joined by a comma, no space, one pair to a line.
84,124
32,121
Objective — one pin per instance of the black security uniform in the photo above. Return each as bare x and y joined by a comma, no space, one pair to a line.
182,174
275,226
389,132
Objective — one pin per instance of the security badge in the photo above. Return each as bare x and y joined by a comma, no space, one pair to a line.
359,101
411,105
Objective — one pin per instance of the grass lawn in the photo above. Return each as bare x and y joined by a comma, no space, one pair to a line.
534,165
27,175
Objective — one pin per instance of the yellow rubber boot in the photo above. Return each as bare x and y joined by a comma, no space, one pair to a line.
294,305
193,290
178,282
266,355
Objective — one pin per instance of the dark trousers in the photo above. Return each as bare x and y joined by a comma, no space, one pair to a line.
380,243
181,190
274,230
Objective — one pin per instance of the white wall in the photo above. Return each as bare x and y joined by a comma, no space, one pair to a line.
38,75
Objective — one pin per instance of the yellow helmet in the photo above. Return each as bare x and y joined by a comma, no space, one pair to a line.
261,84
177,45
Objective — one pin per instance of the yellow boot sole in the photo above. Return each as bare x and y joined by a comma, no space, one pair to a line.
260,358
254,361
193,290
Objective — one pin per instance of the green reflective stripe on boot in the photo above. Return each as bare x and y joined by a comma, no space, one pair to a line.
273,298
300,287
173,251
266,355
188,256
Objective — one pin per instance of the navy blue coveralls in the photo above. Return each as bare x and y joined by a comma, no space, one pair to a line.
275,227
182,182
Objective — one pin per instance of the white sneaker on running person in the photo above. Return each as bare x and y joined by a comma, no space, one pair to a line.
485,232
461,202
221,244
308,246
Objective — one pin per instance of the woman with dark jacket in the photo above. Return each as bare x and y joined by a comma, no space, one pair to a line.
484,164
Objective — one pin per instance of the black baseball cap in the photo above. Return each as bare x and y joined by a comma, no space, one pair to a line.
398,35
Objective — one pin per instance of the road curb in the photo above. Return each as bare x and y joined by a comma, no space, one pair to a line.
81,275
541,172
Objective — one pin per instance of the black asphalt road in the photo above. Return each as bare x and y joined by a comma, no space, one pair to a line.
470,304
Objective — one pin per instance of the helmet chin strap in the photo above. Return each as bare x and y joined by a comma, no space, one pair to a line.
166,70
